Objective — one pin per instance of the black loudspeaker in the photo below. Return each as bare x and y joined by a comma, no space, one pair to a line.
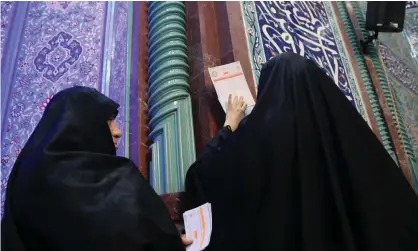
385,16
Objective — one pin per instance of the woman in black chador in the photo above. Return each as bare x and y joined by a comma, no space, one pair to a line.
68,191
303,173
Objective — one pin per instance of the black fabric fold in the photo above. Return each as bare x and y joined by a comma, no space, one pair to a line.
69,191
305,172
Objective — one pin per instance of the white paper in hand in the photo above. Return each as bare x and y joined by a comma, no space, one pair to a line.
224,104
229,79
198,226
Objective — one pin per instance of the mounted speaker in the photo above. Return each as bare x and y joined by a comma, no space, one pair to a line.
385,16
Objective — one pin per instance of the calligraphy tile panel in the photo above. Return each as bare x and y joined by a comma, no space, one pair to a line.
306,28
62,44
411,4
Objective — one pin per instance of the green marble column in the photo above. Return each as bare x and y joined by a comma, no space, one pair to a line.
171,124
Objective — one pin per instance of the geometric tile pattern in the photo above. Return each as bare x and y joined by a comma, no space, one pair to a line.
57,45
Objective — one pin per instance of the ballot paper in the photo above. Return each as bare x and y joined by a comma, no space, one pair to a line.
229,79
198,227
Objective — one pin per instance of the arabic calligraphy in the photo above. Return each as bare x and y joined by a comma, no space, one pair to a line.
302,28
411,4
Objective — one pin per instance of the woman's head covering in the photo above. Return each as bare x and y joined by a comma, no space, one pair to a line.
305,172
75,120
69,191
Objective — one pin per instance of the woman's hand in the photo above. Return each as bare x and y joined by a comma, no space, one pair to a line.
235,112
186,241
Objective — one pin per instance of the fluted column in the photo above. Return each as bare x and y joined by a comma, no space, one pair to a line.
393,142
171,126
384,93
382,132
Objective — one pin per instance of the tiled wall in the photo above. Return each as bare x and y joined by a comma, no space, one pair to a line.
403,81
399,53
306,28
312,30
404,44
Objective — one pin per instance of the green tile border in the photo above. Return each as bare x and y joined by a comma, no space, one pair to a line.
404,134
382,76
368,85
344,58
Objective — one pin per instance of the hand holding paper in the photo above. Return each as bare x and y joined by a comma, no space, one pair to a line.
235,111
198,227
229,79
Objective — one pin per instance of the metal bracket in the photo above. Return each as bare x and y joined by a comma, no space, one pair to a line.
369,40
